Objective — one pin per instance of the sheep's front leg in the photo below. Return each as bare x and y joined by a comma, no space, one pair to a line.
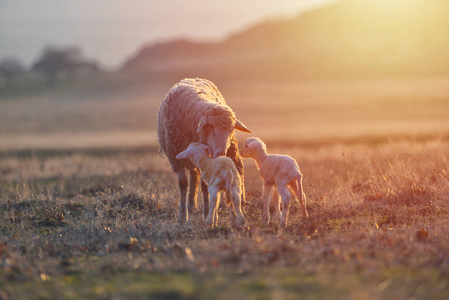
193,189
205,192
266,203
277,204
286,198
213,192
243,203
233,153
183,215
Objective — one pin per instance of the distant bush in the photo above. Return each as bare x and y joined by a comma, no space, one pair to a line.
10,67
55,62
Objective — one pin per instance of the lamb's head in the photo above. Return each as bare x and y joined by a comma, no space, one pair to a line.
215,129
195,152
253,146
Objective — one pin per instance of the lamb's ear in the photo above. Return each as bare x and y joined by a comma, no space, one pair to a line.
251,142
240,126
204,121
208,151
183,154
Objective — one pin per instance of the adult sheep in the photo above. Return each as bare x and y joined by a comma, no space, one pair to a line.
195,111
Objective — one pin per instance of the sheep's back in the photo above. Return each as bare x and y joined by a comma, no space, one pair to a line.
181,111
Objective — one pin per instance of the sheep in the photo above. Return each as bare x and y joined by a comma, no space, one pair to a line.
220,174
195,111
280,170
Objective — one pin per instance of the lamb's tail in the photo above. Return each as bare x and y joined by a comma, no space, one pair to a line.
233,184
234,193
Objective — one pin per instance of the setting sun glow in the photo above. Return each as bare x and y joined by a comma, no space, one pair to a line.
374,36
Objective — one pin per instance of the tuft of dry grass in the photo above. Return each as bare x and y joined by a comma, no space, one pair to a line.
101,225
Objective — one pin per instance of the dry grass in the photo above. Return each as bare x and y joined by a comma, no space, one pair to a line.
88,207
86,224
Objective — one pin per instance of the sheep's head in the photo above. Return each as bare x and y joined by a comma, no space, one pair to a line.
252,146
195,151
216,131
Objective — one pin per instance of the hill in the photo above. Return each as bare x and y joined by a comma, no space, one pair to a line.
347,39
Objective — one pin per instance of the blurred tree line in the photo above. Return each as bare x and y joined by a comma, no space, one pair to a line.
54,63
10,67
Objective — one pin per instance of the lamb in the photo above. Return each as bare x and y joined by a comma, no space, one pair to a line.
195,111
220,174
280,170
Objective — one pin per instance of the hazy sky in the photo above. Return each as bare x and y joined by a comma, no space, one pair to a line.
112,30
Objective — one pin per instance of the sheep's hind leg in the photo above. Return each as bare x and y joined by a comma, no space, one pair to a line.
193,189
183,215
205,192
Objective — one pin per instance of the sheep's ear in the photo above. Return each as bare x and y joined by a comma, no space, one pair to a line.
203,122
183,154
240,126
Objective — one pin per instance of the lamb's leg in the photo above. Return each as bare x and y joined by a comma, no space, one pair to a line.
231,210
277,204
266,203
286,198
298,190
205,192
217,205
193,189
213,205
183,215
238,209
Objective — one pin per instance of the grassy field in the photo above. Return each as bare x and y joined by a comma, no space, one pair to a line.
83,218
111,114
